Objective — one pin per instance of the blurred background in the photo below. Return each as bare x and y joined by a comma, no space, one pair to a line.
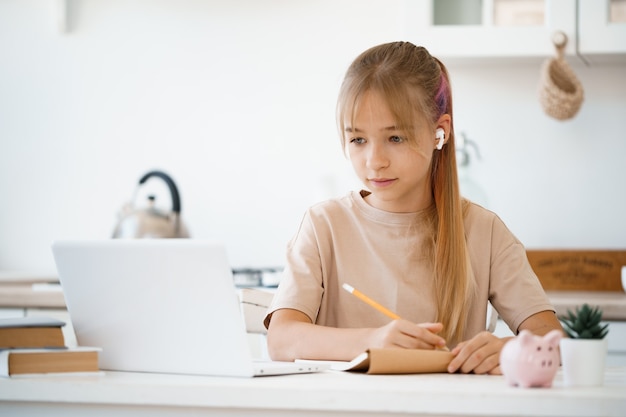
235,100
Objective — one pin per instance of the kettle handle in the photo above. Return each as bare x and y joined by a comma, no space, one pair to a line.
170,183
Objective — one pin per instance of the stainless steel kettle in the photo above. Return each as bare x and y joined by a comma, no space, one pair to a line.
150,222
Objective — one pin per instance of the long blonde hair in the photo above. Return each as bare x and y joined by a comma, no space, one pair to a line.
415,83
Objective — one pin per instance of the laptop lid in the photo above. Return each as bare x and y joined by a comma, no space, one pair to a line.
156,305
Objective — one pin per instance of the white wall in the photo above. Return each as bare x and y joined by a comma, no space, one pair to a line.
236,100
556,184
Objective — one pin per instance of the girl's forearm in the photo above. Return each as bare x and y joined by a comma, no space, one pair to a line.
290,340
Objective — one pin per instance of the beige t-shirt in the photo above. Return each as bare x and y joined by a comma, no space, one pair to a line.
386,256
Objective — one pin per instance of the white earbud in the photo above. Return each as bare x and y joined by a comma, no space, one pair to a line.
441,135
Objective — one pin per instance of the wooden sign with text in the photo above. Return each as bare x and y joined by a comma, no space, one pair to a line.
578,270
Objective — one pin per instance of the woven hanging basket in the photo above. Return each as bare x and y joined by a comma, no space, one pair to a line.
560,93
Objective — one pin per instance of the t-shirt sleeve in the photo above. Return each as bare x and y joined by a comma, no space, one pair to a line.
301,286
515,291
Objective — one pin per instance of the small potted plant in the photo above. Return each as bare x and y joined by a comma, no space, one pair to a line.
583,353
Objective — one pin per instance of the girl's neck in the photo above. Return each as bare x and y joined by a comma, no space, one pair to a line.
419,204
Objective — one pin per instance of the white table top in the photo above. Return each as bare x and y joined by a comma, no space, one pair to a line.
331,393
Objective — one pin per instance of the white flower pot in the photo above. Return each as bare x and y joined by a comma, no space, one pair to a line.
583,361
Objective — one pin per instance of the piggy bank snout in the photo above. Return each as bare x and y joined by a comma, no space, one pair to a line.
531,361
545,356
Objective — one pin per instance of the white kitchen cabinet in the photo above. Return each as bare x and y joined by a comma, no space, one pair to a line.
602,28
453,29
448,28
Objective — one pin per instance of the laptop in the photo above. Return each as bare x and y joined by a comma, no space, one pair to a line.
160,305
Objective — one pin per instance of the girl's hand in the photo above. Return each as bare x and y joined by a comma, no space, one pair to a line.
405,334
479,355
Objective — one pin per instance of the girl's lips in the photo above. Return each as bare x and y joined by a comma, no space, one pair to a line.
381,182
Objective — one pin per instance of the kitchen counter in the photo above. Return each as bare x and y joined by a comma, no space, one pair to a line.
43,291
29,294
613,304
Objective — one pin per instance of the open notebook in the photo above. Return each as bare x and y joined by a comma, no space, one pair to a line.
160,305
393,361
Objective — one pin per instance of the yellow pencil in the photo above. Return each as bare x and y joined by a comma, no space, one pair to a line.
358,294
369,301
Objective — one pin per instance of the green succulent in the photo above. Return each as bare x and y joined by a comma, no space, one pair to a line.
585,323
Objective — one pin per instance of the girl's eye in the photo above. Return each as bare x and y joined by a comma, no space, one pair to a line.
396,139
358,141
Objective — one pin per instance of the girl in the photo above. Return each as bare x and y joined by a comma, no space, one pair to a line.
410,241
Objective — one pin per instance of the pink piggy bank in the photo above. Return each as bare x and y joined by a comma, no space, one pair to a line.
531,361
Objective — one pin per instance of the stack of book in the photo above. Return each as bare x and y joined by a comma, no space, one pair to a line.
36,345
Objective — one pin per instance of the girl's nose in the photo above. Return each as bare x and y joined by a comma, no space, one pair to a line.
377,157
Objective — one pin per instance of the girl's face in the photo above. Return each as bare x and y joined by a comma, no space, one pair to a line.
396,172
